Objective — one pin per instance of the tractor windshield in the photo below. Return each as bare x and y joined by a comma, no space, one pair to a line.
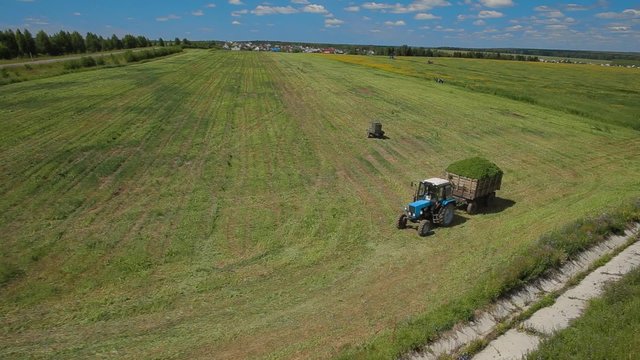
425,191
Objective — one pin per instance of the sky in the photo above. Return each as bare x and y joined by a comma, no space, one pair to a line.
578,25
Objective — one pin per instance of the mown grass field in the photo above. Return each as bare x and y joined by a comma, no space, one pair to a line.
601,94
229,205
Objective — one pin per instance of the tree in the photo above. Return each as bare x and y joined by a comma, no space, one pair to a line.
176,41
186,42
31,43
129,42
92,43
11,44
77,43
43,43
143,41
160,42
4,51
115,42
22,43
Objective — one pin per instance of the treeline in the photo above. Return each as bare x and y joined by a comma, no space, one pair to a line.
580,54
24,44
406,50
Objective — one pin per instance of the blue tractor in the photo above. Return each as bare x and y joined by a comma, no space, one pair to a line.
433,204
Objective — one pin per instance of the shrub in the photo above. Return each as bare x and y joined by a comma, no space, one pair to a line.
72,65
87,61
129,56
115,60
100,61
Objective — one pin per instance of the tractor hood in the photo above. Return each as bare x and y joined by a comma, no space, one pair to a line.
419,204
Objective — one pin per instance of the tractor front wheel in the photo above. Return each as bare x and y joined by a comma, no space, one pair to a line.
401,223
424,227
448,215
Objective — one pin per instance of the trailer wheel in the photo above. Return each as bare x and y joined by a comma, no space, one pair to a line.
449,212
472,207
424,227
490,199
401,223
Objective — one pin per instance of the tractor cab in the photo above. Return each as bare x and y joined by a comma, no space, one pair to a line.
434,189
433,203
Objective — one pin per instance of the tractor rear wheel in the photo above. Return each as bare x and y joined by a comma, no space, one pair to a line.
424,227
472,207
449,213
401,223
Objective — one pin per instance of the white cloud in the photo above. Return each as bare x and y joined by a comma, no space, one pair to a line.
314,9
556,27
236,2
490,14
197,13
479,23
210,6
37,21
333,23
515,28
575,7
352,8
626,14
376,6
426,16
76,14
554,14
235,22
395,23
620,28
300,2
496,3
415,6
375,31
168,17
272,10
543,8
239,13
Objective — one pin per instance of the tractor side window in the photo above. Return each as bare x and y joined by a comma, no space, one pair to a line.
448,191
440,193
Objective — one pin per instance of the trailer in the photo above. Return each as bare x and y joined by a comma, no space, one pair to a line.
474,193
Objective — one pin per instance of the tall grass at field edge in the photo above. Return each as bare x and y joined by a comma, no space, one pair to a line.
550,251
31,72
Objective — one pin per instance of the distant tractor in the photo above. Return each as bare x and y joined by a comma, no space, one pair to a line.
433,204
375,130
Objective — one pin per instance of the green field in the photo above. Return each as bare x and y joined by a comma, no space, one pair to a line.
608,329
229,205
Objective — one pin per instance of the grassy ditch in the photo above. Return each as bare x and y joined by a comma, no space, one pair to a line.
608,329
548,252
38,71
